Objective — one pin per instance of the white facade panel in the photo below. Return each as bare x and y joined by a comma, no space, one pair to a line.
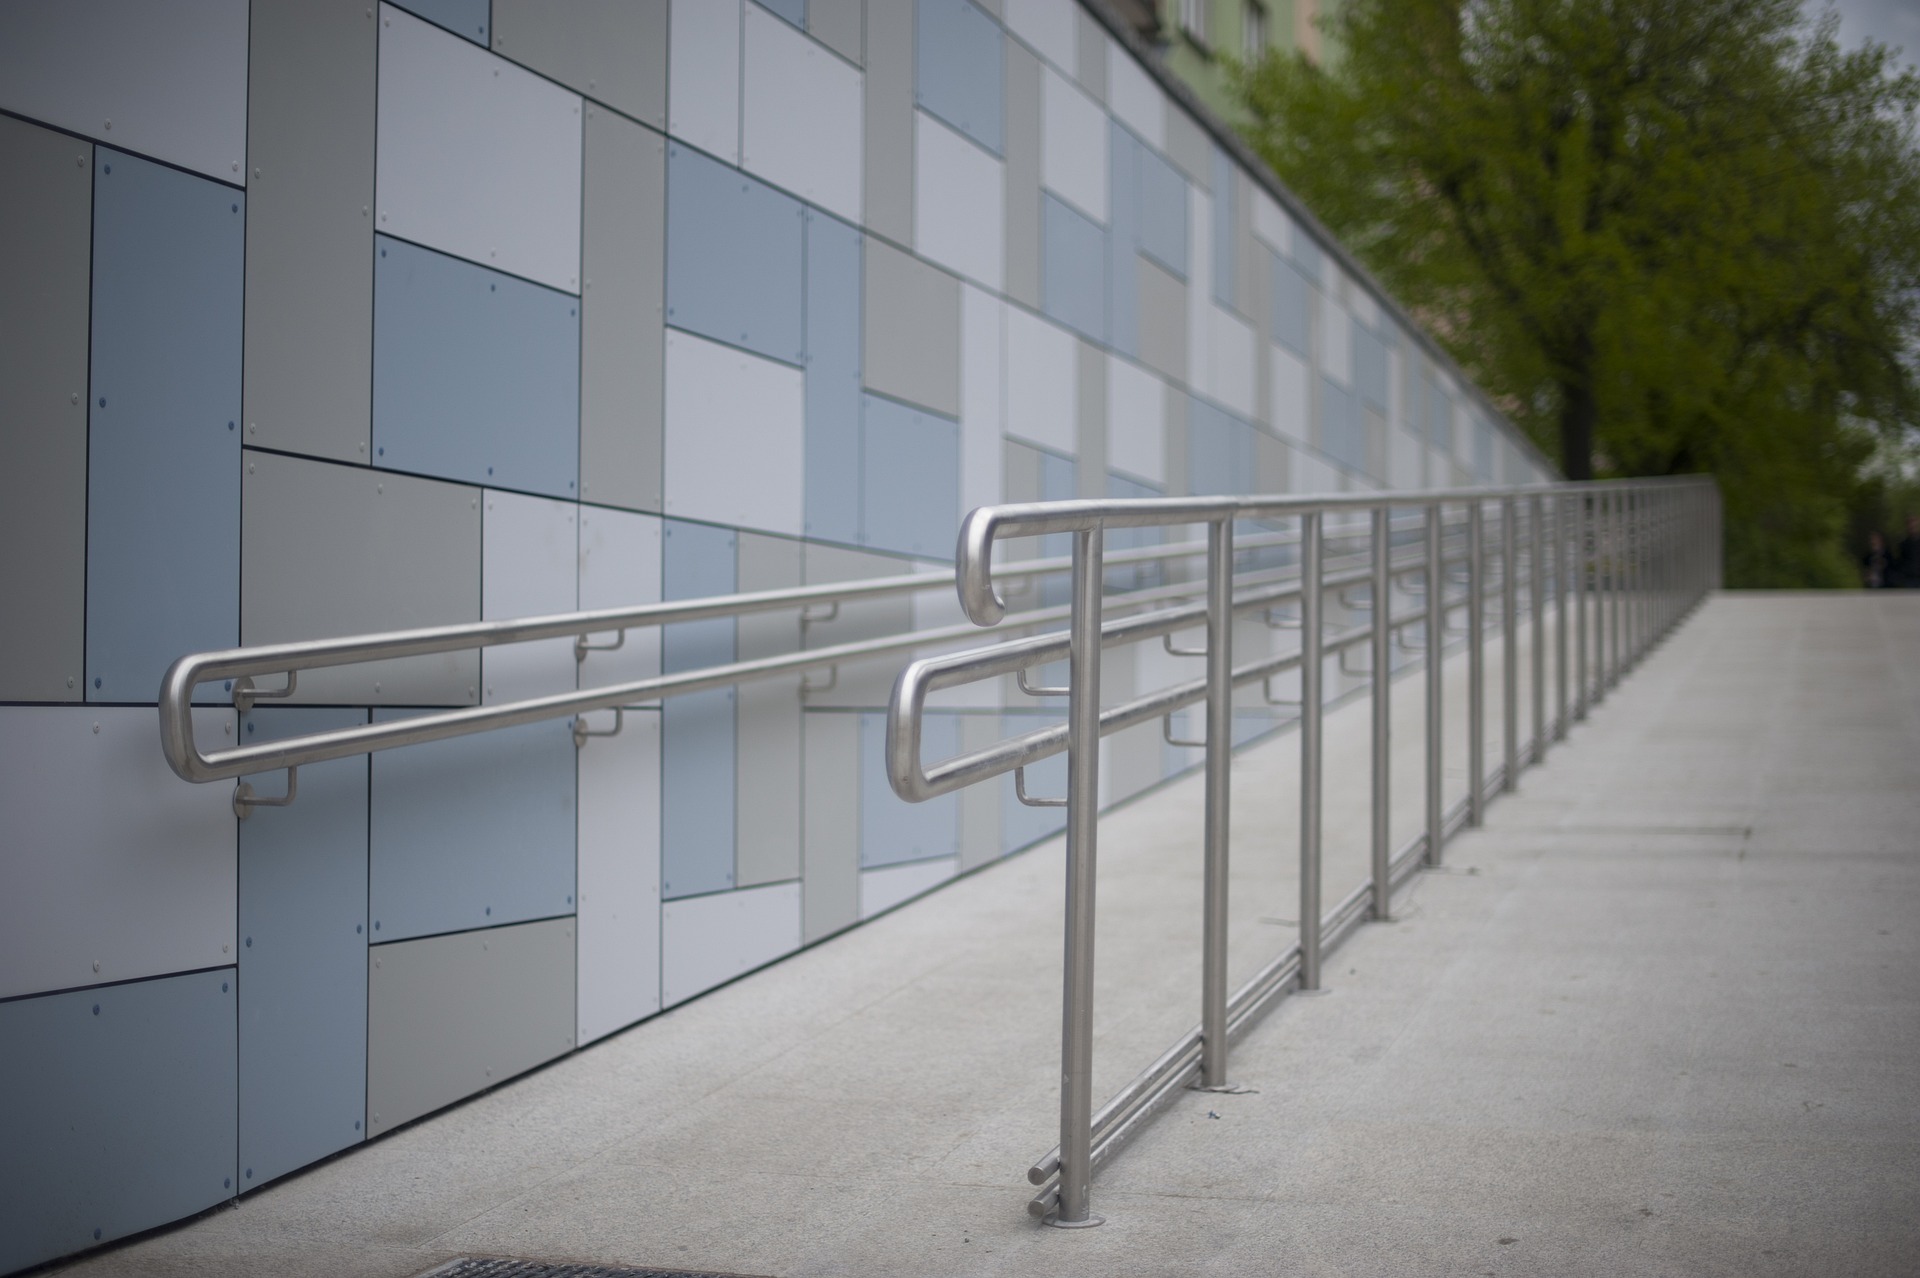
1406,460
959,204
1136,422
1232,376
164,80
618,973
1292,394
1073,144
1312,473
1136,100
801,126
1042,382
1365,308
620,567
707,940
1047,25
983,391
888,886
1272,224
114,868
724,407
1199,290
1336,340
529,566
478,157
703,75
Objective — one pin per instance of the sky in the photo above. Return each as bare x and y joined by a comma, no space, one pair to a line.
1894,22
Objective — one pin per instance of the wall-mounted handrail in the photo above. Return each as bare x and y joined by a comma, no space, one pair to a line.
1644,551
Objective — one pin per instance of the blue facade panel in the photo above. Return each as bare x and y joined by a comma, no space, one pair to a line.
1482,450
698,758
303,956
1123,240
734,257
1021,824
1307,256
959,68
1292,307
1073,270
1342,434
117,1110
471,831
1220,451
1132,576
466,18
163,448
892,830
1439,415
910,479
1163,212
794,11
476,374
1369,366
1225,243
832,379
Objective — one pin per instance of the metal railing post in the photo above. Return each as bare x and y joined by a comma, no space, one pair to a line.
1083,812
1562,597
1436,625
1382,710
1509,645
1615,540
1582,566
1476,660
1312,706
1213,966
1537,615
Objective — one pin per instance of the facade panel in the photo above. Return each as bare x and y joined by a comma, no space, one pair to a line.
529,567
303,957
959,203
163,448
698,761
887,886
614,51
477,157
168,81
1137,422
309,320
1042,382
960,68
911,349
982,397
1073,145
1073,259
1023,174
832,379
448,1016
767,789
476,374
467,19
724,405
800,115
910,468
472,832
703,75
1136,100
1163,320
1049,26
734,255
619,874
622,312
887,127
619,568
338,550
830,849
119,1111
44,275
891,829
709,940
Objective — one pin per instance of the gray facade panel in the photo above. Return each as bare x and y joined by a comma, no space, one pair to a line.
959,68
163,446
839,24
1163,212
892,830
698,762
1369,366
1226,245
910,472
767,780
1189,147
332,550
309,322
44,274
1163,321
448,1016
1074,270
734,257
794,11
1090,54
888,104
865,683
1123,240
830,899
465,18
303,957
622,335
832,379
979,804
476,374
1023,175
119,1111
471,831
614,51
1220,450
1292,307
1090,430
1341,434
912,346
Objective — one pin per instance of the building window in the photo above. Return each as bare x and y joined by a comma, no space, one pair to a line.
1193,19
1256,32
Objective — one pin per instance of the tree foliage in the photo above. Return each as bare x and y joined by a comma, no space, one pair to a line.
1666,236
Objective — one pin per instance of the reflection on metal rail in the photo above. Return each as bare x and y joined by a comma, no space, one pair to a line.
1641,552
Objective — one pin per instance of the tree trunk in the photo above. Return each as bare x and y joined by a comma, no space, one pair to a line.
1579,411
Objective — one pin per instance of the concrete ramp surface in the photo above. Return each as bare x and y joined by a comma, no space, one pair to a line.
1660,1016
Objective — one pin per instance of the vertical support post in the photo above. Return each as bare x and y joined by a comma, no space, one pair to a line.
1509,645
1436,625
1537,617
1476,660
1615,513
1083,812
1312,705
1382,710
1582,567
1213,965
1562,598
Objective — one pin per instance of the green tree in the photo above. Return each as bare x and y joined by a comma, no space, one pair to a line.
1665,236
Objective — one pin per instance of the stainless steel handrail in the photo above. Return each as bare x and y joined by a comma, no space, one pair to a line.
1644,551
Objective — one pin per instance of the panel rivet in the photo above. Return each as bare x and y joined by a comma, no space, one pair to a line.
96,727
109,124
69,681
74,398
96,965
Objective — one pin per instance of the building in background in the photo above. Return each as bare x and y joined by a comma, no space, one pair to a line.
1194,37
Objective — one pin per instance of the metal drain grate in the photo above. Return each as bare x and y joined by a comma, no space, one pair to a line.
493,1267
